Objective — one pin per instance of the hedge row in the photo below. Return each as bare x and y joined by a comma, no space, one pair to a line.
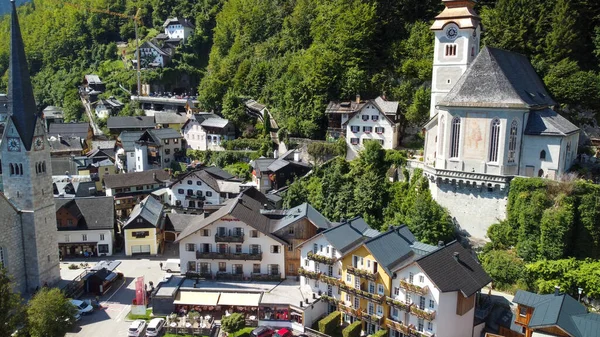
329,324
380,333
352,330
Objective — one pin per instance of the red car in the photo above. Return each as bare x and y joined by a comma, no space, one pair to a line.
283,332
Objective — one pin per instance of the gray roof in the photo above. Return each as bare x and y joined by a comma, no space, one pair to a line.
547,122
150,209
215,122
60,165
93,79
182,21
449,274
254,105
178,222
170,118
560,310
499,79
65,144
300,212
347,234
391,247
218,173
128,139
159,50
125,122
97,212
165,133
135,178
387,107
263,163
108,265
347,107
72,188
206,178
103,144
52,111
23,110
69,129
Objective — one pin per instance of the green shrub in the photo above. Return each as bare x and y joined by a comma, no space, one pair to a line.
73,266
380,333
233,322
504,267
329,323
352,330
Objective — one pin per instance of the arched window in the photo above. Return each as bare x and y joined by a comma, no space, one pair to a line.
12,170
21,169
3,263
442,134
494,140
455,137
512,141
540,173
543,155
44,167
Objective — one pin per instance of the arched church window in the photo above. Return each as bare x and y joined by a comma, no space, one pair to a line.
494,140
543,155
21,169
44,167
512,141
455,137
12,169
37,168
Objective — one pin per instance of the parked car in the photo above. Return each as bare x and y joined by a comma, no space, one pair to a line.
155,327
262,331
136,328
283,332
82,307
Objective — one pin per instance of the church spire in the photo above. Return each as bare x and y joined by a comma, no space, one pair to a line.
22,108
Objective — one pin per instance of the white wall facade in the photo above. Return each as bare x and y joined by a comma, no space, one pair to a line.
446,322
560,153
374,119
130,161
178,31
324,248
198,188
194,136
152,55
91,236
229,223
141,158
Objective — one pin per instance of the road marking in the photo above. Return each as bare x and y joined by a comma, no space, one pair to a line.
113,294
118,318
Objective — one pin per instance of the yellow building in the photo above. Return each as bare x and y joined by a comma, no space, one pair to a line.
101,169
367,277
144,230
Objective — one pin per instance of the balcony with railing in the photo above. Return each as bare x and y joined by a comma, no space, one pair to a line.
413,287
428,315
320,258
407,330
362,273
229,237
365,316
361,293
348,309
400,305
195,197
229,276
309,274
226,255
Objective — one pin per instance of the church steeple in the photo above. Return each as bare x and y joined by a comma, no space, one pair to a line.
21,107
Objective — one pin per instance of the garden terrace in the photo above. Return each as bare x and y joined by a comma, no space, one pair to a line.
362,273
320,258
413,287
362,293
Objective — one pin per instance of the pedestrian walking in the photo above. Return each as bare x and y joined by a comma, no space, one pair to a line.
161,265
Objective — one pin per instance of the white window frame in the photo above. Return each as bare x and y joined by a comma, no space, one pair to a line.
380,289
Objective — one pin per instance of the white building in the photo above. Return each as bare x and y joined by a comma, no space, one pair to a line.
157,148
439,290
359,121
207,131
491,119
323,254
234,242
178,28
85,225
151,55
196,188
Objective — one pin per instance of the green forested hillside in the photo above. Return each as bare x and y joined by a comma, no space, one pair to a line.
296,55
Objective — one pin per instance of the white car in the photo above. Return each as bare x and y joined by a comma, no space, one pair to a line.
155,327
136,328
82,307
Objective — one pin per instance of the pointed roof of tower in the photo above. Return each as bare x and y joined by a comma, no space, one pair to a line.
461,12
22,108
499,79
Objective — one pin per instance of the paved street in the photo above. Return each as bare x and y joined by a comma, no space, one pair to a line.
111,319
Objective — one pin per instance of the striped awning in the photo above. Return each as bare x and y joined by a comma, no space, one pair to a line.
196,298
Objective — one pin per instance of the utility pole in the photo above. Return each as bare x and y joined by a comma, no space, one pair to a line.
137,51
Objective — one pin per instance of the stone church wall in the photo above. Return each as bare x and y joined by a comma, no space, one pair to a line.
11,242
474,209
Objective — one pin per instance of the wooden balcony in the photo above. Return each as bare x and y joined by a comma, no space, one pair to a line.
320,258
229,256
229,238
362,273
407,330
309,274
361,293
414,288
349,310
400,305
424,314
371,318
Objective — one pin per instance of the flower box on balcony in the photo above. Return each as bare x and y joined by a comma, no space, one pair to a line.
398,304
413,287
430,316
331,280
307,273
320,258
362,273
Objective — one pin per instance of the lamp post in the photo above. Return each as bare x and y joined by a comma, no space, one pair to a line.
579,291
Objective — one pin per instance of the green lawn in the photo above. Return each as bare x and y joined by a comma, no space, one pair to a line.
146,317
174,335
245,332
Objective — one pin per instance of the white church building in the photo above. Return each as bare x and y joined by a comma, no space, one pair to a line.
491,119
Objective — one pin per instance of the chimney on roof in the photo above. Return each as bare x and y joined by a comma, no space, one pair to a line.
456,256
357,98
265,206
297,156
556,290
154,175
440,244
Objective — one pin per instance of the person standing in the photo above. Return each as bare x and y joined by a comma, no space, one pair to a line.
161,265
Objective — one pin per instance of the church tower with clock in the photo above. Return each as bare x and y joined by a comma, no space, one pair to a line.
457,31
27,180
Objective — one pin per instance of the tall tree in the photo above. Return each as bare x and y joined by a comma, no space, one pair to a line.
50,314
11,306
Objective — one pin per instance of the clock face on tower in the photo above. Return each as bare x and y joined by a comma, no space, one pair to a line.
38,143
13,144
451,32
